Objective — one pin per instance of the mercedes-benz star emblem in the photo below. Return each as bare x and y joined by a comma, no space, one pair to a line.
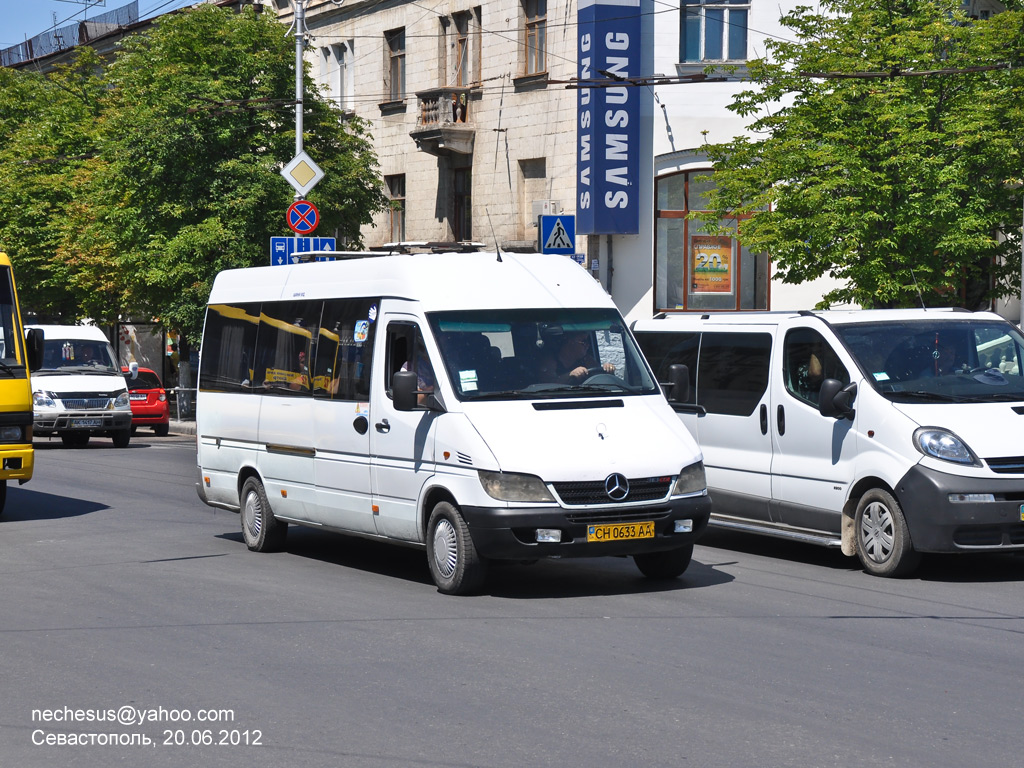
617,487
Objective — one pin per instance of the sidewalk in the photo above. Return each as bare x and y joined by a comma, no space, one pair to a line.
182,427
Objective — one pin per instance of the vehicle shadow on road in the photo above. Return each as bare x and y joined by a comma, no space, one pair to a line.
574,577
23,504
969,567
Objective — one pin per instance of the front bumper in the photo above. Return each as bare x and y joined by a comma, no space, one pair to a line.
938,525
509,533
81,421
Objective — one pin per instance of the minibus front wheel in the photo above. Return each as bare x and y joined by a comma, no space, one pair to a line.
260,529
665,565
455,565
883,538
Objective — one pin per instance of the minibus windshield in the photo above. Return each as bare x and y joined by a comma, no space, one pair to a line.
520,354
940,361
78,356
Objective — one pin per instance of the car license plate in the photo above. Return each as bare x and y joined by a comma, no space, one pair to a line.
85,422
621,531
137,397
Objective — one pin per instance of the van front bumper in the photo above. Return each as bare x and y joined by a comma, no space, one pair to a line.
85,421
938,525
510,533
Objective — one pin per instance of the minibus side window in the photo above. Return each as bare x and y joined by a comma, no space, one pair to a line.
344,349
284,346
665,349
807,360
732,374
406,352
229,347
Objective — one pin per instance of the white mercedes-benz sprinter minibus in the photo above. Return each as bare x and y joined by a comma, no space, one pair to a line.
885,432
483,407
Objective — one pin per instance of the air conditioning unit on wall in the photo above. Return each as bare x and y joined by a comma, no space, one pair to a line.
545,208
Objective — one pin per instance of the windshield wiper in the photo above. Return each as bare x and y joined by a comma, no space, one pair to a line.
498,395
920,394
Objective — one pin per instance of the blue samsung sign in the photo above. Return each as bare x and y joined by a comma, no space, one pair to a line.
608,130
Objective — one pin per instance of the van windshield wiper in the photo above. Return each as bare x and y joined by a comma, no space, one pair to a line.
920,394
6,368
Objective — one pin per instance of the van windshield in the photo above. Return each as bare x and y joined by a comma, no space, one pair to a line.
524,354
940,361
75,356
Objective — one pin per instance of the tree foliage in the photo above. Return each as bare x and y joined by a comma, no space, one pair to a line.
893,181
154,172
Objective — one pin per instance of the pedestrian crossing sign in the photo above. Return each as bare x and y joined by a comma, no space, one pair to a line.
557,234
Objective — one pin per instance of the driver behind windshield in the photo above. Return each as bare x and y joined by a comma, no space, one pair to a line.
574,359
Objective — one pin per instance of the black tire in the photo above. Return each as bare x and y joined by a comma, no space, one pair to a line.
161,430
3,495
665,565
883,539
260,529
122,437
75,439
134,429
455,565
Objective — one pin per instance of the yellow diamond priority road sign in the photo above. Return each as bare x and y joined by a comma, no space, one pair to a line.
302,173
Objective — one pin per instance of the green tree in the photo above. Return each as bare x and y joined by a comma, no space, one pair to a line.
861,166
190,124
47,137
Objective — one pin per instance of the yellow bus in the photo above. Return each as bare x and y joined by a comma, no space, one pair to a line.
19,354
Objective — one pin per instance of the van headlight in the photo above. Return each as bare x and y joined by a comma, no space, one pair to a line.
11,435
944,445
691,481
122,401
43,399
509,486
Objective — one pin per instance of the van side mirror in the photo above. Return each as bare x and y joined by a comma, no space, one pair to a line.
835,399
133,369
403,390
679,381
34,348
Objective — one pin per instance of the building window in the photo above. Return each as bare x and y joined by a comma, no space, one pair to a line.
394,65
336,74
460,51
694,269
713,30
535,13
462,208
396,213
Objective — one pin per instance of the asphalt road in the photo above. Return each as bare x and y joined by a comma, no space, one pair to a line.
120,591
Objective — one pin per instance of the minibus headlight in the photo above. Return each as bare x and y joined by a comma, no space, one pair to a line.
943,444
43,399
11,435
690,481
122,401
509,486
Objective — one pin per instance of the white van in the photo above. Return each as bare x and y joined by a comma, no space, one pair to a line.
483,407
79,391
887,433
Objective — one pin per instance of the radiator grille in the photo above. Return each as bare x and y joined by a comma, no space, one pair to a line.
593,491
1007,465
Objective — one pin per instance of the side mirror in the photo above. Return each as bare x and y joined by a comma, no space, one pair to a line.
679,381
133,369
403,390
34,348
835,399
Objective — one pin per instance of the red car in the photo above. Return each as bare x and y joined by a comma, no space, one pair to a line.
148,400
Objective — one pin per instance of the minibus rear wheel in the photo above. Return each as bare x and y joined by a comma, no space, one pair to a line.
455,565
260,529
665,565
883,539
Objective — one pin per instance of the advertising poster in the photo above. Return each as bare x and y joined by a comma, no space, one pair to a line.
712,264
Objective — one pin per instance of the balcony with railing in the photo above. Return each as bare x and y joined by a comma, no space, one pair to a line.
444,124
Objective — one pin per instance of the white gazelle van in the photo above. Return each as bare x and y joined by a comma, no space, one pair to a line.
885,432
482,406
79,391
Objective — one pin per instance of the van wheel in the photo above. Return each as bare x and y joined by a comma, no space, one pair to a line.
665,565
883,539
122,438
455,565
75,439
260,529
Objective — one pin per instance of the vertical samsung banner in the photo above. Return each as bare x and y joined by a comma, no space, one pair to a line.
608,130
